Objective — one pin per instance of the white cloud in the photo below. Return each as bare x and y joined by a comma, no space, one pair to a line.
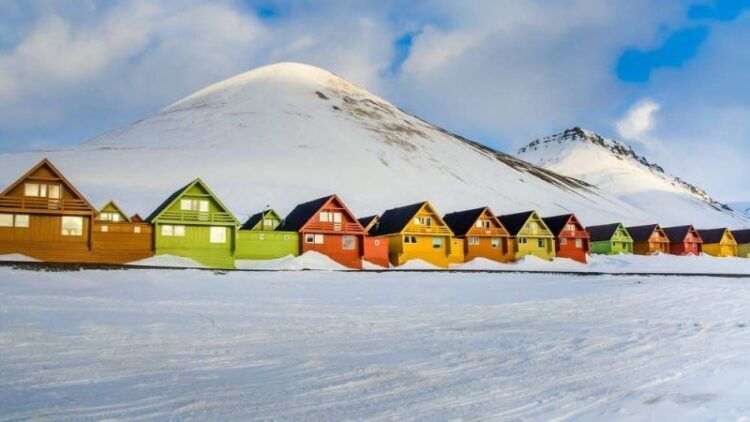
639,121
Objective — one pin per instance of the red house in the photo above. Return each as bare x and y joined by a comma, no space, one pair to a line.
684,240
571,238
326,226
375,247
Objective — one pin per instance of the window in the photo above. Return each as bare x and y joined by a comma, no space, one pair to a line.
72,226
286,237
534,227
31,189
104,229
194,205
349,242
136,230
425,221
109,216
179,231
186,204
522,240
487,224
570,227
22,220
218,235
473,240
437,242
203,206
6,220
410,239
336,217
325,216
330,217
167,231
579,243
563,241
376,242
261,236
319,239
309,238
541,243
269,223
479,223
38,190
115,217
495,242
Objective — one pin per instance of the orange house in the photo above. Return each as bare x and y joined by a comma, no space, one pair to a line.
375,248
649,239
571,239
327,226
483,235
119,239
43,216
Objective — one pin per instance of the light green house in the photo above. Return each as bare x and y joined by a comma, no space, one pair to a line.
743,242
610,239
193,223
259,239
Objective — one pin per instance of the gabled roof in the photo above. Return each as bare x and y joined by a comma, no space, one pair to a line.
257,218
742,236
395,220
642,233
604,232
136,218
712,235
53,169
302,213
557,223
461,222
367,221
178,193
116,207
678,234
515,222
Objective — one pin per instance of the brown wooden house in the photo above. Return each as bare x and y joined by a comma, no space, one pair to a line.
649,239
684,240
483,235
119,239
571,238
43,216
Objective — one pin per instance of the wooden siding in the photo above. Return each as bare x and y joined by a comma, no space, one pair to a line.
333,235
375,250
43,240
534,239
484,240
122,242
262,244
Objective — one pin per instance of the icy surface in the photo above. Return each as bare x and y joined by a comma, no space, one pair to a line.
177,344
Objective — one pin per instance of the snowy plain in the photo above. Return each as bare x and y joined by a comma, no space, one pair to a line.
316,345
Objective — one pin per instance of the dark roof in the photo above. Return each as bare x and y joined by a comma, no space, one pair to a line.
514,222
557,223
711,235
602,233
365,221
677,234
741,236
253,221
302,213
460,222
395,219
642,233
167,203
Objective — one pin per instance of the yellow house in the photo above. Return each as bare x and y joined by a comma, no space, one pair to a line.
418,232
742,237
529,234
718,242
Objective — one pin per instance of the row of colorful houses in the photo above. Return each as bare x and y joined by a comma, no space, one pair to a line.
42,215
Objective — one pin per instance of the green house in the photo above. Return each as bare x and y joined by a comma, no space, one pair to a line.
610,239
259,239
193,223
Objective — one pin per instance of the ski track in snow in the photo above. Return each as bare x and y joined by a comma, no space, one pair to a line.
175,344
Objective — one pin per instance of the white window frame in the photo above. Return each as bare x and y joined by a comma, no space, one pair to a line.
523,240
26,217
309,238
186,204
473,240
495,243
351,239
57,189
439,244
67,233
319,239
6,220
217,235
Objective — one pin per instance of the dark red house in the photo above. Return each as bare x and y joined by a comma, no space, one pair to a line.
571,238
327,226
684,240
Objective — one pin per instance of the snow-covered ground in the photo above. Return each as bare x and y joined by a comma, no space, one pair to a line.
174,344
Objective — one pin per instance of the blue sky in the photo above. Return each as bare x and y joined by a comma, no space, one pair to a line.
663,76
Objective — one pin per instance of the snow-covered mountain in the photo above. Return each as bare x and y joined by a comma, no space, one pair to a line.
287,133
615,168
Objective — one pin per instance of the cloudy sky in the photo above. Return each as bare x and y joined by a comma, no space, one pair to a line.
668,77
